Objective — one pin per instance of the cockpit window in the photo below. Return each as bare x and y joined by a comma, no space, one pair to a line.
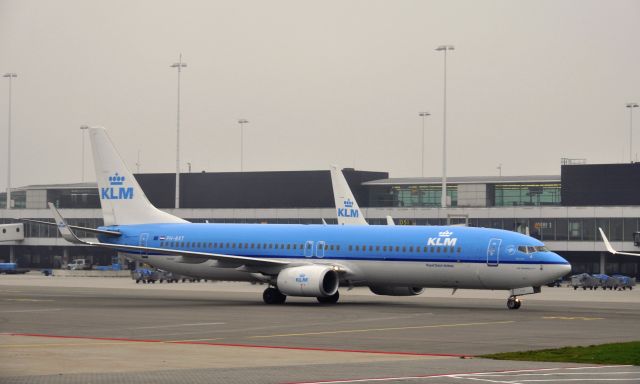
530,249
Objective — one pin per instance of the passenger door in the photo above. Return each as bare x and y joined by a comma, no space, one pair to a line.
320,248
493,252
144,237
308,249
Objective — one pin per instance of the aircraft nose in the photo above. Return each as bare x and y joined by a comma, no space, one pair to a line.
564,265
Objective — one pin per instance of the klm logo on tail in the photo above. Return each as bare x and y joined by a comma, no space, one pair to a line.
116,191
348,211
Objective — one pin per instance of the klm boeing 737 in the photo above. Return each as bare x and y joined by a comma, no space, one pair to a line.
311,260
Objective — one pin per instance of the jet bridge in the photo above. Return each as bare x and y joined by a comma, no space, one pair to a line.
12,232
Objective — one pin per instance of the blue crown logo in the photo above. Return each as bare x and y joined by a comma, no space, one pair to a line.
116,180
348,203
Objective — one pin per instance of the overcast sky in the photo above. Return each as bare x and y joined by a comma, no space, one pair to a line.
321,82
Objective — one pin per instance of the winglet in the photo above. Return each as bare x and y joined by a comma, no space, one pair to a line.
63,227
390,221
606,242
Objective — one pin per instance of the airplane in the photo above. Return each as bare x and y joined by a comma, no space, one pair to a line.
310,260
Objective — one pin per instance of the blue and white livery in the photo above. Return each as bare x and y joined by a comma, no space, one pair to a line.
312,260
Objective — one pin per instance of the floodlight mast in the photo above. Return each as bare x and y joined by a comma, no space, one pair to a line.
443,201
631,106
179,65
10,76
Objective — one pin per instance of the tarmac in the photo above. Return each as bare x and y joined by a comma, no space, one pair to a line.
111,330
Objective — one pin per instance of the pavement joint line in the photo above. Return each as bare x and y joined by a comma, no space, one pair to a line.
281,347
178,325
465,376
380,329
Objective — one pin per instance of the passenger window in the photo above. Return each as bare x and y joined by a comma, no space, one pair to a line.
351,248
426,249
411,248
288,246
240,245
253,245
246,245
437,249
452,250
404,248
182,244
259,245
357,247
377,248
270,246
337,247
371,248
210,245
459,249
295,246
233,245
326,247
384,248
432,250
397,248
228,245
331,247
199,244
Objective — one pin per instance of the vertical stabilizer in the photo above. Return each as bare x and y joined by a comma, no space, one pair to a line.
122,200
347,208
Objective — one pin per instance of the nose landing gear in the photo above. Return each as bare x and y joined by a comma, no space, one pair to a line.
513,302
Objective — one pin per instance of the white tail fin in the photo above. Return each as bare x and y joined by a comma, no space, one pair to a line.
346,205
122,199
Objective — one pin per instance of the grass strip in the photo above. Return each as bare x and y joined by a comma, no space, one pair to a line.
615,353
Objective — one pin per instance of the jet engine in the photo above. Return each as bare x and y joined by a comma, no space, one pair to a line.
308,280
397,291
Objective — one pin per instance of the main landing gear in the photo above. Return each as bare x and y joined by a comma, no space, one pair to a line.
273,296
329,299
513,302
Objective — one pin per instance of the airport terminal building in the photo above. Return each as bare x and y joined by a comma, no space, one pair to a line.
564,211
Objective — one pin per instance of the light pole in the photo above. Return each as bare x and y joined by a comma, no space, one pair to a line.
178,65
631,106
83,128
423,115
444,48
242,122
499,168
11,76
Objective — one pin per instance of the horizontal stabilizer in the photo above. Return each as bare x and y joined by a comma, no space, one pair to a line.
76,228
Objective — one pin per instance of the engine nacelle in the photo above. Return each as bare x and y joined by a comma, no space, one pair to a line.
397,291
308,280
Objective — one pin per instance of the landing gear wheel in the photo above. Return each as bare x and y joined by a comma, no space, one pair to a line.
329,299
513,303
273,296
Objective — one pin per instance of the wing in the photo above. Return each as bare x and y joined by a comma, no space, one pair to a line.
610,248
190,257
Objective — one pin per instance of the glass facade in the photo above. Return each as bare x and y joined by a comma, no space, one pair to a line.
412,196
506,195
74,198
